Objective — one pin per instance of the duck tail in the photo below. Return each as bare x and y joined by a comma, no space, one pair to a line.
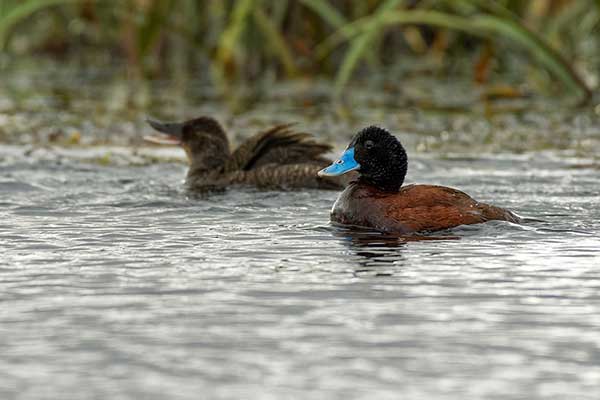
279,145
491,213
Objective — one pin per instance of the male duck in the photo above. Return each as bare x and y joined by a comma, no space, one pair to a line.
377,200
278,158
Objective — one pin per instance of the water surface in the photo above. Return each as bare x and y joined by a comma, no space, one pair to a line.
116,283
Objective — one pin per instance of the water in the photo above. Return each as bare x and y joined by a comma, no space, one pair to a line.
115,283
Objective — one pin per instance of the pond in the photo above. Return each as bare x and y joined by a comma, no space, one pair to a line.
116,283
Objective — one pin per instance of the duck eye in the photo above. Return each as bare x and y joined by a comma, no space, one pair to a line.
369,144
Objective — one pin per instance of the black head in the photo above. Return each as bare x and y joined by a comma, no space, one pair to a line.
377,155
203,140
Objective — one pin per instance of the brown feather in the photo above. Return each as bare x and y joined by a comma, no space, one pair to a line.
273,176
278,145
414,208
278,158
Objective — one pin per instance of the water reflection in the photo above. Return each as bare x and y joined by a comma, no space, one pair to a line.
374,250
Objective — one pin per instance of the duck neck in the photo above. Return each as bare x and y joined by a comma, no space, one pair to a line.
385,185
206,164
387,176
207,157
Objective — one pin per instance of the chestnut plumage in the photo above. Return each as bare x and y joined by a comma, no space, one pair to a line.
377,199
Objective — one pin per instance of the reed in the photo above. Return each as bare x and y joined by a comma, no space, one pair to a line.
14,11
243,39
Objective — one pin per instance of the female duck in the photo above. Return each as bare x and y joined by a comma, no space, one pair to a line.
278,158
377,200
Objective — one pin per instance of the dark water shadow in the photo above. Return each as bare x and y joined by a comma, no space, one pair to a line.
376,249
362,237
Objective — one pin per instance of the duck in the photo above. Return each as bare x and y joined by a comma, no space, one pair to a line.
377,200
277,158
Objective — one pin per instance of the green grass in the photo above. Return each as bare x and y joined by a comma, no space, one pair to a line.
243,39
14,11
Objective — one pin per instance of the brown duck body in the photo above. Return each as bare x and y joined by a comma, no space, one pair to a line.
278,158
414,208
378,200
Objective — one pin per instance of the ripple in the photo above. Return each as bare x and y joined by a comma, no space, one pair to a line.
14,186
254,294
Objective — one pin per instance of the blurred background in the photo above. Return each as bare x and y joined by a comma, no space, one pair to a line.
504,75
117,283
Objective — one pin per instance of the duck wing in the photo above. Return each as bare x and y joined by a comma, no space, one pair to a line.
279,145
287,176
430,208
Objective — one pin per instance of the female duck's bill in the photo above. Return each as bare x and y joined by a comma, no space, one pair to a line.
345,163
171,132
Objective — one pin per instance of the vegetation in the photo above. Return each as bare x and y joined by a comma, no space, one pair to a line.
246,39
